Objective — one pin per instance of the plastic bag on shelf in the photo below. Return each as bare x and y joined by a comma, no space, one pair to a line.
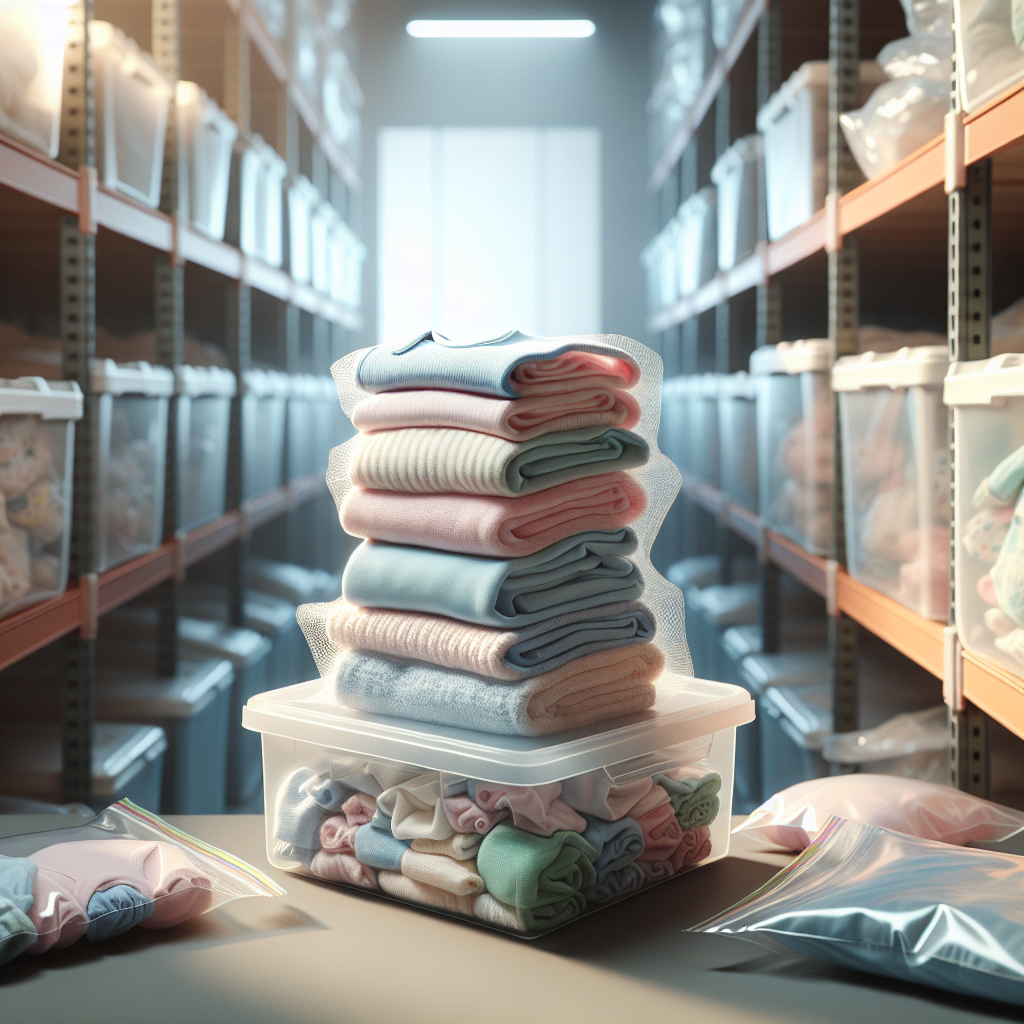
990,52
125,867
928,17
923,56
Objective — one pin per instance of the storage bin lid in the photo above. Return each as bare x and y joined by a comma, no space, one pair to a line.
920,366
739,641
242,647
34,396
304,386
708,385
265,613
294,583
807,710
141,378
134,61
730,604
30,755
679,388
133,688
204,381
737,385
748,149
811,74
193,100
811,355
785,668
266,383
308,713
697,570
273,164
703,202
980,381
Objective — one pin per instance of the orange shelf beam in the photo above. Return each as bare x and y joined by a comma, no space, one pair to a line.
998,693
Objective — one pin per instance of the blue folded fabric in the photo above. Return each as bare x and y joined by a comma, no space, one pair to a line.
613,885
618,843
379,849
17,932
114,911
380,821
578,573
16,875
484,367
329,793
297,818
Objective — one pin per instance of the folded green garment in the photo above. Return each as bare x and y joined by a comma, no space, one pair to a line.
584,571
694,796
541,876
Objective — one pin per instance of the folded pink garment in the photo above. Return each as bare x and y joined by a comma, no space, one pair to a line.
656,796
663,836
595,793
359,809
337,835
517,420
573,371
413,891
493,526
342,867
656,870
465,816
535,809
461,846
696,845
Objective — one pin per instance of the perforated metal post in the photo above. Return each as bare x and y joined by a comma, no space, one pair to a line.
238,341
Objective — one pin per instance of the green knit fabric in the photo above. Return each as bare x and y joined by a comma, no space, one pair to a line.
694,801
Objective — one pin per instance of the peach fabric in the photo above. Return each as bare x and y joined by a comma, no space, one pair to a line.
465,816
535,809
359,809
337,835
343,867
572,371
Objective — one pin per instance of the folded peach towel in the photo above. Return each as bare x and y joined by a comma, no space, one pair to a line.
411,890
455,876
488,525
461,846
343,867
515,420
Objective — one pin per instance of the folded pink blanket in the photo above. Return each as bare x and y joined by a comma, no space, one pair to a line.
535,809
464,815
342,867
359,809
413,891
337,835
495,526
461,846
573,371
516,420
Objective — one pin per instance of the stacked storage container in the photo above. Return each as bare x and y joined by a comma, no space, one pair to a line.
261,202
698,240
495,694
738,175
989,49
264,415
737,439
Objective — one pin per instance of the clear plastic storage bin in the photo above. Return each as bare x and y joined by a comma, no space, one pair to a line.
37,445
987,397
716,608
206,136
132,97
264,408
302,198
796,440
703,435
896,474
674,429
794,123
127,761
261,217
321,231
737,438
203,424
989,49
738,175
274,16
698,240
303,409
131,441
296,584
32,36
503,808
347,256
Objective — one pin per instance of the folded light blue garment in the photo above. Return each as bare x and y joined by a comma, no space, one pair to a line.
618,843
329,793
297,818
114,911
380,821
613,885
584,571
16,874
17,932
379,849
434,361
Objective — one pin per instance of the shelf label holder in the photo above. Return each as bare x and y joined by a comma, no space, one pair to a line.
952,671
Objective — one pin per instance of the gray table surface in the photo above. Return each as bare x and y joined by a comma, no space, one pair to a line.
322,953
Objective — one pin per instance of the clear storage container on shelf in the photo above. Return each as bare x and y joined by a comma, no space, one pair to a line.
703,433
987,397
261,200
203,424
697,237
661,260
206,136
274,16
674,428
989,49
131,445
308,44
895,433
132,98
737,438
321,230
264,412
355,257
725,16
318,755
32,36
795,440
329,423
37,445
342,100
127,761
301,436
302,198
794,123
738,175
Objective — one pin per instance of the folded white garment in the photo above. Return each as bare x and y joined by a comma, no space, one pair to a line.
416,808
455,876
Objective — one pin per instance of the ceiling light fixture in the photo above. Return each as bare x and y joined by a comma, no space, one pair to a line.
519,29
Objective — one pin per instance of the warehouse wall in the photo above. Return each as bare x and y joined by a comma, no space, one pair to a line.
599,82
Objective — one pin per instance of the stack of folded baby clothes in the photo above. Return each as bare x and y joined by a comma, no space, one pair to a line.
494,589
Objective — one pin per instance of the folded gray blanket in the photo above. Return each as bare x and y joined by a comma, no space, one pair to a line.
580,572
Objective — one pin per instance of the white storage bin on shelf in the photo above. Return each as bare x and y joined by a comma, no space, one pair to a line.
661,261
347,256
262,202
737,438
896,474
203,424
131,442
301,437
697,236
302,198
127,761
317,754
264,406
987,397
989,49
795,440
32,71
132,97
206,136
674,429
703,434
37,445
321,231
738,175
794,123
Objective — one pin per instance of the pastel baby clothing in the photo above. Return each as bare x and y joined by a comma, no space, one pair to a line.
379,849
329,793
501,915
411,890
604,685
297,818
595,794
16,875
493,526
359,808
575,574
985,532
459,877
464,816
439,460
459,846
655,797
503,654
534,809
1005,486
663,836
114,911
618,843
17,932
510,366
693,791
416,808
518,419
337,835
613,885
696,845
343,867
